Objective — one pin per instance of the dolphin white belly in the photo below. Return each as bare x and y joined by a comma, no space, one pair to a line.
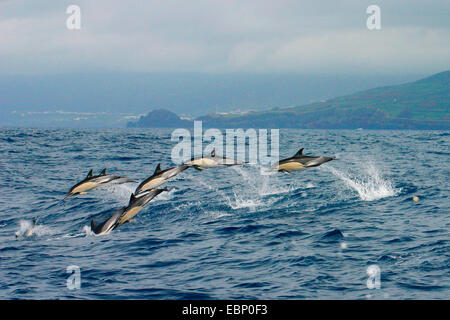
291,166
152,184
85,187
129,215
204,163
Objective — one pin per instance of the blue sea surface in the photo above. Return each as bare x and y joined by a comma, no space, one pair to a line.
228,233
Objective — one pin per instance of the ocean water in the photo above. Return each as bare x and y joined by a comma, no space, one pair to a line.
228,233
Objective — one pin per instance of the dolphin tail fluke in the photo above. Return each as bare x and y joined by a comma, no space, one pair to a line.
123,180
183,167
159,191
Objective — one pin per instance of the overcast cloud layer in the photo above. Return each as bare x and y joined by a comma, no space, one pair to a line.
323,37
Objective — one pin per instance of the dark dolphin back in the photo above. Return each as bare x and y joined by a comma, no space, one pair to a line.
108,223
145,198
299,157
157,172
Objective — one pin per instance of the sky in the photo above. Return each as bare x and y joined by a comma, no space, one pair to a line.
217,37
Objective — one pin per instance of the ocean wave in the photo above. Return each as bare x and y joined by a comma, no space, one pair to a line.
227,232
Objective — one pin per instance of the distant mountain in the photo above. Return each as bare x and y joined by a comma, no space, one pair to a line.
423,104
160,118
112,99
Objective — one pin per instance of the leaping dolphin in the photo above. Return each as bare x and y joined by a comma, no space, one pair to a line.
108,225
159,177
300,162
211,161
136,204
125,214
29,231
92,182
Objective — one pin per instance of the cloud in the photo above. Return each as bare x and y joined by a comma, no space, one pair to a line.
394,49
223,36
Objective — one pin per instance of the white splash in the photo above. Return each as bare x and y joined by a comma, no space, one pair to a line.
369,184
262,184
166,195
88,231
310,185
255,189
241,202
120,193
28,229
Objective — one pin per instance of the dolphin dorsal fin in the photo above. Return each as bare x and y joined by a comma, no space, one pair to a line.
92,225
103,172
158,169
89,175
132,197
213,153
299,153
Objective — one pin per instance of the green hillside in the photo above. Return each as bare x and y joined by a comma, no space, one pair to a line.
423,104
426,99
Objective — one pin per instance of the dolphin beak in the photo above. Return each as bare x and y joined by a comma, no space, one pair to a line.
68,196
